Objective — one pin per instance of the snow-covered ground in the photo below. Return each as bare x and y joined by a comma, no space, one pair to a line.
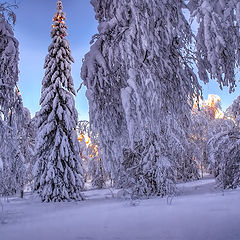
199,212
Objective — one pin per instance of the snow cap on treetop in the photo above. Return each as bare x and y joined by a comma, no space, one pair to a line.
59,5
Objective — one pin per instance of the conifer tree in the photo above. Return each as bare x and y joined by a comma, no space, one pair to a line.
58,170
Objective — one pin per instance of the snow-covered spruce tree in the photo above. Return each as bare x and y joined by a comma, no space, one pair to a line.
217,39
10,106
58,170
140,85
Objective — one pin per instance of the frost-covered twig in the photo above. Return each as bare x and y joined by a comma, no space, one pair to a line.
7,10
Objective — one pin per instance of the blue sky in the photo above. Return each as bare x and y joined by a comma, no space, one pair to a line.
34,19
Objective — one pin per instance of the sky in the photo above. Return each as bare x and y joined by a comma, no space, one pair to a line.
32,29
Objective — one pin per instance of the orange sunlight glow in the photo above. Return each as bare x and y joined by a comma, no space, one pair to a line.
89,144
59,18
212,104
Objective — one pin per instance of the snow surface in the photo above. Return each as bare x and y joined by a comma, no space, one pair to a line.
199,212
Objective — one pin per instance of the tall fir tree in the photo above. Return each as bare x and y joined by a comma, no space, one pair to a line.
58,170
